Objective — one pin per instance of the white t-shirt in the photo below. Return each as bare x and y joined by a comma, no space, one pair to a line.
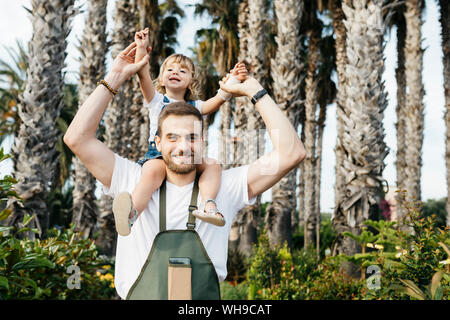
132,250
155,107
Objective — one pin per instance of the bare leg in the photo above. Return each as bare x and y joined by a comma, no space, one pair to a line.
209,184
153,174
126,207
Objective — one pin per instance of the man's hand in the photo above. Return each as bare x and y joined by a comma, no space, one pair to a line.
124,66
247,88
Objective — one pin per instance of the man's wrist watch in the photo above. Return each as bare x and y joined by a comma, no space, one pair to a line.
258,95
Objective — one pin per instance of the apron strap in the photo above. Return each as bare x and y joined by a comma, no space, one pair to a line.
162,206
193,205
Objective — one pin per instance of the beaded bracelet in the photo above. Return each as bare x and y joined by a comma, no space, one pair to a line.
103,82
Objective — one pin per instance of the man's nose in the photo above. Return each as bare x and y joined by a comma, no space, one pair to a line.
184,144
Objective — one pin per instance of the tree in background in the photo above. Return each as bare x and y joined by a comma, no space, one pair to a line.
249,134
363,133
286,70
445,32
34,151
414,107
92,68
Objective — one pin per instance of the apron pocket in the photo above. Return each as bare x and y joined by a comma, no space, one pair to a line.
179,279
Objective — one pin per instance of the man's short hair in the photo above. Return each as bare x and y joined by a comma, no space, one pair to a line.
179,108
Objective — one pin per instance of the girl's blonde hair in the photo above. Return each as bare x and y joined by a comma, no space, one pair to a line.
193,90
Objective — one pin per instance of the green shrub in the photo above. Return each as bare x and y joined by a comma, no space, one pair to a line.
230,291
437,208
265,268
330,283
63,266
408,259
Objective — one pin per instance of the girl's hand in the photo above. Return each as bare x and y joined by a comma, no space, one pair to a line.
248,88
141,38
240,71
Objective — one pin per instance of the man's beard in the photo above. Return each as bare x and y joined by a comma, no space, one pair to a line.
184,168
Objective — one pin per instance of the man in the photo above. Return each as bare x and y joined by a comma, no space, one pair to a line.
179,140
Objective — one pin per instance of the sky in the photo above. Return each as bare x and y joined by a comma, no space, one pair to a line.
433,180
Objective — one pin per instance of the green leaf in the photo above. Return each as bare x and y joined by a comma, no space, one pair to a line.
413,289
4,283
4,229
5,214
32,262
438,293
435,283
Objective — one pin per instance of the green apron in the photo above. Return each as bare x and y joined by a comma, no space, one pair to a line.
152,283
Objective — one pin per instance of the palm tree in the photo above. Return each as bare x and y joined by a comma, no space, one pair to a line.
286,69
34,151
363,133
326,96
118,117
445,26
313,30
398,19
252,50
341,62
92,68
414,120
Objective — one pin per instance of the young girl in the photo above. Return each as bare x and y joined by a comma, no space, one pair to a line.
176,82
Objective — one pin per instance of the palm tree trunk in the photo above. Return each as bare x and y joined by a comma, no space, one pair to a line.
34,150
414,120
445,25
301,185
321,126
225,138
401,97
286,69
92,68
310,139
118,118
252,50
363,133
341,62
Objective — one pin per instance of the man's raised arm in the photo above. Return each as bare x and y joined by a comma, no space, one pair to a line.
80,135
288,150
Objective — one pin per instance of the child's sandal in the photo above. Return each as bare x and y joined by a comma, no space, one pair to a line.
210,216
124,213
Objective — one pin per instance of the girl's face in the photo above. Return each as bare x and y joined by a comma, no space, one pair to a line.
176,76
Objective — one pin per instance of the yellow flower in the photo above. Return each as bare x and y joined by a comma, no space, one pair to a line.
106,267
108,276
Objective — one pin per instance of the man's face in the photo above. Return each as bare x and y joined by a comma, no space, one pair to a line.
180,143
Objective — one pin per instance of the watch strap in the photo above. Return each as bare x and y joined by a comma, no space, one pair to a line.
258,95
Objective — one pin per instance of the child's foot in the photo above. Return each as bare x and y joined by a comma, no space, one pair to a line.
124,213
210,213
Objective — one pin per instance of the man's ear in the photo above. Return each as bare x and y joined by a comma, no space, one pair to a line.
158,143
